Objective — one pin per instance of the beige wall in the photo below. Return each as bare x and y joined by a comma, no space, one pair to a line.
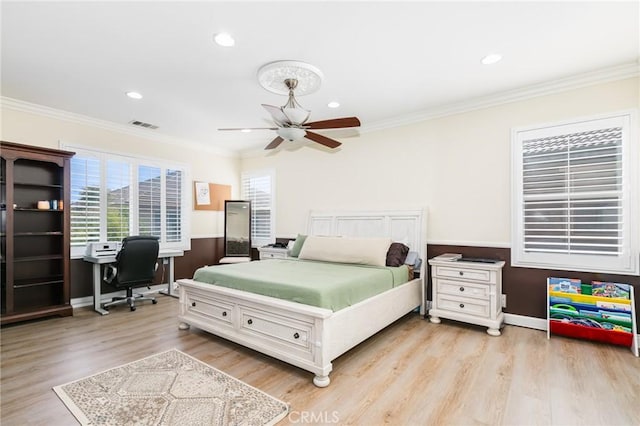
34,129
458,166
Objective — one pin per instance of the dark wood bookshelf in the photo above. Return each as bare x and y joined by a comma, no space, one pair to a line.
35,242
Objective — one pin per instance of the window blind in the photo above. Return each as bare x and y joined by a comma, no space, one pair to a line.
576,195
118,179
572,190
258,188
114,196
149,201
85,200
173,205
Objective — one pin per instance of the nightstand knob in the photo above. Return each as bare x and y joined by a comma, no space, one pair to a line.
296,336
224,314
461,273
193,303
462,305
461,288
250,322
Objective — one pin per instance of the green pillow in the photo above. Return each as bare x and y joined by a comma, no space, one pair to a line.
297,246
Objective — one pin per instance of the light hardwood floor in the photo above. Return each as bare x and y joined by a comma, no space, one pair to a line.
412,373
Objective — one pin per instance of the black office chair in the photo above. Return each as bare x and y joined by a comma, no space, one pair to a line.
135,266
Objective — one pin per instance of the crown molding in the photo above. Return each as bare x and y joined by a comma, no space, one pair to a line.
31,108
618,72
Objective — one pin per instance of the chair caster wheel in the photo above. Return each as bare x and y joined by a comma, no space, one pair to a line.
133,308
154,301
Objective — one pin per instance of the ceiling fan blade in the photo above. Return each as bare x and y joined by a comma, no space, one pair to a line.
277,115
322,140
274,143
335,123
247,128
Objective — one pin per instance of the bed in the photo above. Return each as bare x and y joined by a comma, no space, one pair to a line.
297,332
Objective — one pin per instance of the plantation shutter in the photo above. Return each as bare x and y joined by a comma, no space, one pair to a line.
149,201
173,205
85,200
258,188
572,188
118,199
575,195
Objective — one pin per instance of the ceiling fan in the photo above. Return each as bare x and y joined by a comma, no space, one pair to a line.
292,122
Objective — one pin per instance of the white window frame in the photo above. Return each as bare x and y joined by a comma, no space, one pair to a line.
628,262
259,242
135,162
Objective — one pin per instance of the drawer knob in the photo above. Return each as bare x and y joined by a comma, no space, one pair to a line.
224,314
250,322
296,336
461,273
193,303
462,305
461,288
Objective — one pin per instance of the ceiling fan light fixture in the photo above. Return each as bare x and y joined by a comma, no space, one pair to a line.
296,115
291,133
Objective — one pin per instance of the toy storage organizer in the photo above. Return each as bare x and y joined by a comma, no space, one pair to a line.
606,316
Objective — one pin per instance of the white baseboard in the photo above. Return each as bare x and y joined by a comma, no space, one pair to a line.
81,302
524,321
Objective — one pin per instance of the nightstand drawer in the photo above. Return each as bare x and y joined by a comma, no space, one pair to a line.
272,255
463,305
479,275
464,289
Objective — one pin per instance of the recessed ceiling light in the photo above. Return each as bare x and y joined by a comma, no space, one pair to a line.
246,130
333,104
491,59
134,95
224,39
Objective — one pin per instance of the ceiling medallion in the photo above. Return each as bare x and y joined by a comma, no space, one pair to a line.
272,77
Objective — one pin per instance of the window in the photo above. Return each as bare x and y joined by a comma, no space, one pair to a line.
575,196
258,187
114,196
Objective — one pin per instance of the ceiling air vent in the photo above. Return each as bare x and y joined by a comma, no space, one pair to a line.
143,124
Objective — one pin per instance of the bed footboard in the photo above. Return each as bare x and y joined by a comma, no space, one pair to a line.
305,336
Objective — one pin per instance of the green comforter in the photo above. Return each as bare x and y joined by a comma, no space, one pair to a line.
327,285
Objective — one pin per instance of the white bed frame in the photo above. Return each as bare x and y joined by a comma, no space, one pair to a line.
307,336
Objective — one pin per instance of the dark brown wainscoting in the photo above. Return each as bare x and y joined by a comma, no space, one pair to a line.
526,288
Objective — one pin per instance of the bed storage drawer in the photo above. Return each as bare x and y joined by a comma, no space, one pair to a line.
210,308
292,333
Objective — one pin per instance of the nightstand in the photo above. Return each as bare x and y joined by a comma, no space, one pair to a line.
273,253
467,291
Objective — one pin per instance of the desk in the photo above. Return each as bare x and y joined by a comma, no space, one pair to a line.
97,277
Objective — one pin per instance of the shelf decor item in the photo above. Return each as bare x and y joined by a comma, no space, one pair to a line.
35,234
598,311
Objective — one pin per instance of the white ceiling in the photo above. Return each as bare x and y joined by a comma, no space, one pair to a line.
381,60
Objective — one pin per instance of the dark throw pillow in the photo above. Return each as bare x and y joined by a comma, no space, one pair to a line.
397,254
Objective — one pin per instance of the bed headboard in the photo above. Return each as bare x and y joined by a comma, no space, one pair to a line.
405,226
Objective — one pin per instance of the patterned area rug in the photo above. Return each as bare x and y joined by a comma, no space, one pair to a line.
170,388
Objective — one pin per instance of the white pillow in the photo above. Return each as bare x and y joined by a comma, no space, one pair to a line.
365,251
